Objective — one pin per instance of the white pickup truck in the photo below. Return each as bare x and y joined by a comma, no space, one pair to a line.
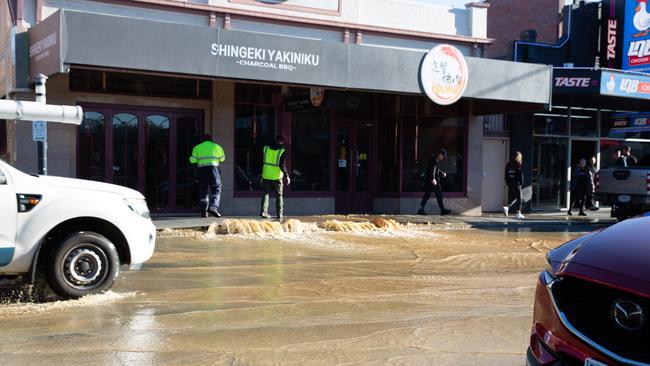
72,233
626,189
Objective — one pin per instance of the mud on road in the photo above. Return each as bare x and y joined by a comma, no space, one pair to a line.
388,296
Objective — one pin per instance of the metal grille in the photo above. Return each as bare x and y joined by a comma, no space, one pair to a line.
495,125
588,307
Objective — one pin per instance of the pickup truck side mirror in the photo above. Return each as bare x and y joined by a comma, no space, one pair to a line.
3,179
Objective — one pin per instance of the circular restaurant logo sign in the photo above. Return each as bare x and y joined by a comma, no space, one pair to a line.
316,95
444,74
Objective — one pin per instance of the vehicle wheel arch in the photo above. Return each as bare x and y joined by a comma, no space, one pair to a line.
79,224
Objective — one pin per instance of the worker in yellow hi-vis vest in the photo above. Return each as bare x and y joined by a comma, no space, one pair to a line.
274,169
207,156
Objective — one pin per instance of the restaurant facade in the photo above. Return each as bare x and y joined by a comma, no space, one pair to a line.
600,99
349,100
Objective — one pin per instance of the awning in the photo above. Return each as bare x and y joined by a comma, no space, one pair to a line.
601,88
69,38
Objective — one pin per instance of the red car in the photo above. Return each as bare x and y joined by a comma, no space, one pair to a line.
592,303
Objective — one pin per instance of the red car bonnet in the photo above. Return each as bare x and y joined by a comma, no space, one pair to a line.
618,256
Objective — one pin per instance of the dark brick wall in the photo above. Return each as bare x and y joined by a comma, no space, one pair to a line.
507,19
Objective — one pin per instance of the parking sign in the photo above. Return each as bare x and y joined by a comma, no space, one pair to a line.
39,130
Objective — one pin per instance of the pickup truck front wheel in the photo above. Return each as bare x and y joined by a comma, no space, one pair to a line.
84,263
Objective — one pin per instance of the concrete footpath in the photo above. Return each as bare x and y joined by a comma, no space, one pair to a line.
539,221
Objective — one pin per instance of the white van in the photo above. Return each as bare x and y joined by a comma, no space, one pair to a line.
73,233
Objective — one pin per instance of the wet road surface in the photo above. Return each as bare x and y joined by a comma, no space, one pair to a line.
406,297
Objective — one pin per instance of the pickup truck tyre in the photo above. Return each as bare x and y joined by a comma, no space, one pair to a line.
84,263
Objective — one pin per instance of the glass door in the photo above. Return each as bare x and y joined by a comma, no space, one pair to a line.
157,161
125,151
143,149
549,172
353,193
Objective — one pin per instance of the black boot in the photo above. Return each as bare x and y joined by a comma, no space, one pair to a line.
421,211
214,212
444,212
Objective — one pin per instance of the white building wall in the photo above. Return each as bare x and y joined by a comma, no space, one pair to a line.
381,40
171,16
397,14
414,16
404,15
289,30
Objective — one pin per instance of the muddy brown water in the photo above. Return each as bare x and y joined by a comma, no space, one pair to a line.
404,297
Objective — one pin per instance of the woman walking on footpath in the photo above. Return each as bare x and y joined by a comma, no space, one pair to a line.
581,184
514,176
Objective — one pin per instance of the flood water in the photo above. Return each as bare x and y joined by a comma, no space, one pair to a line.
403,297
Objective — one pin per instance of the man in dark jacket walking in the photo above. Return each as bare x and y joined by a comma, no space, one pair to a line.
434,177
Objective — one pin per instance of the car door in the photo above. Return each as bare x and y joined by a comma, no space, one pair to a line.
8,218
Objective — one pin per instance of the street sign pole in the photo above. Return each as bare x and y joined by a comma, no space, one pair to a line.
39,128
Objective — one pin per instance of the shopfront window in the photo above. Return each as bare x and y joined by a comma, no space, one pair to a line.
254,129
388,154
92,137
584,123
424,136
551,124
310,151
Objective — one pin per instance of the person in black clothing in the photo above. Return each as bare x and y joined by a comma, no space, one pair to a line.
589,203
514,176
583,182
434,177
630,160
619,159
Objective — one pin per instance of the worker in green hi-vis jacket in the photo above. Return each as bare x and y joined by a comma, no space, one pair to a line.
207,156
274,169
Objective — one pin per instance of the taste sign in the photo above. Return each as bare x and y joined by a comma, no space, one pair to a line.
572,82
575,81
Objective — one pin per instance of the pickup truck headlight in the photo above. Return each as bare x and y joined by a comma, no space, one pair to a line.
139,206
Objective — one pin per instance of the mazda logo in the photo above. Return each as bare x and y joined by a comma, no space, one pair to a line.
628,315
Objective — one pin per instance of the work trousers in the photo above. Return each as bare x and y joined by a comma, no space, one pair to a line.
209,187
430,188
278,188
